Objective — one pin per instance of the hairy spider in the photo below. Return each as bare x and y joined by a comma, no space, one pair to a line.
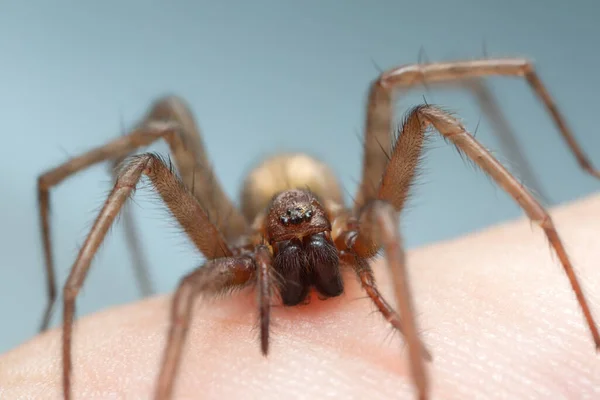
293,232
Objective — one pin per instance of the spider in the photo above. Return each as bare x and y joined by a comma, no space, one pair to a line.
293,233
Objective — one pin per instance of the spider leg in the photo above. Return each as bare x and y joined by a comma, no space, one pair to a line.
378,124
506,135
397,177
492,111
365,275
117,148
265,289
184,207
170,119
196,170
451,129
216,276
138,259
377,227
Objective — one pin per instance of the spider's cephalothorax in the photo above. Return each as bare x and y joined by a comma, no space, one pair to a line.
296,224
304,254
293,231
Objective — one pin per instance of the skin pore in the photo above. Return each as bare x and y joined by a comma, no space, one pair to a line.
494,308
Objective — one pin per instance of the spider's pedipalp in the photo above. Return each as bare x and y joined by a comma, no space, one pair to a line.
265,290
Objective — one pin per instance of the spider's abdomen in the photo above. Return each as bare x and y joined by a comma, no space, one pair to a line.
284,172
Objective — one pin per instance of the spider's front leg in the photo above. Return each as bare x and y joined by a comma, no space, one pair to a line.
171,120
450,128
216,276
398,175
378,228
379,121
184,207
389,171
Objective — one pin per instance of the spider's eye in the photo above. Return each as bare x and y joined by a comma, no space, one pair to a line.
296,215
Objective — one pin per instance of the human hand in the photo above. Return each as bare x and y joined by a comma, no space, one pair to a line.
494,308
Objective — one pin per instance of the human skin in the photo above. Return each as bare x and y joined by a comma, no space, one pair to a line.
494,308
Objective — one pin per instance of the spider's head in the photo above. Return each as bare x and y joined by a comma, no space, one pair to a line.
304,254
295,213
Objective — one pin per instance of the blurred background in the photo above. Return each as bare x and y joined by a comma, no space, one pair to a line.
261,77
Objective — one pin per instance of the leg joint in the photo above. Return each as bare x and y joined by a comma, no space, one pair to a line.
528,67
70,292
545,222
42,183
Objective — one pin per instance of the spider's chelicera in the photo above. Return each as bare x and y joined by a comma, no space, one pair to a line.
304,253
293,231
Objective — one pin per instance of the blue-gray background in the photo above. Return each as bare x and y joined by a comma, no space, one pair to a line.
261,77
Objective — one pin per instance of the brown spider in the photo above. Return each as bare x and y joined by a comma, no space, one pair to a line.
294,232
